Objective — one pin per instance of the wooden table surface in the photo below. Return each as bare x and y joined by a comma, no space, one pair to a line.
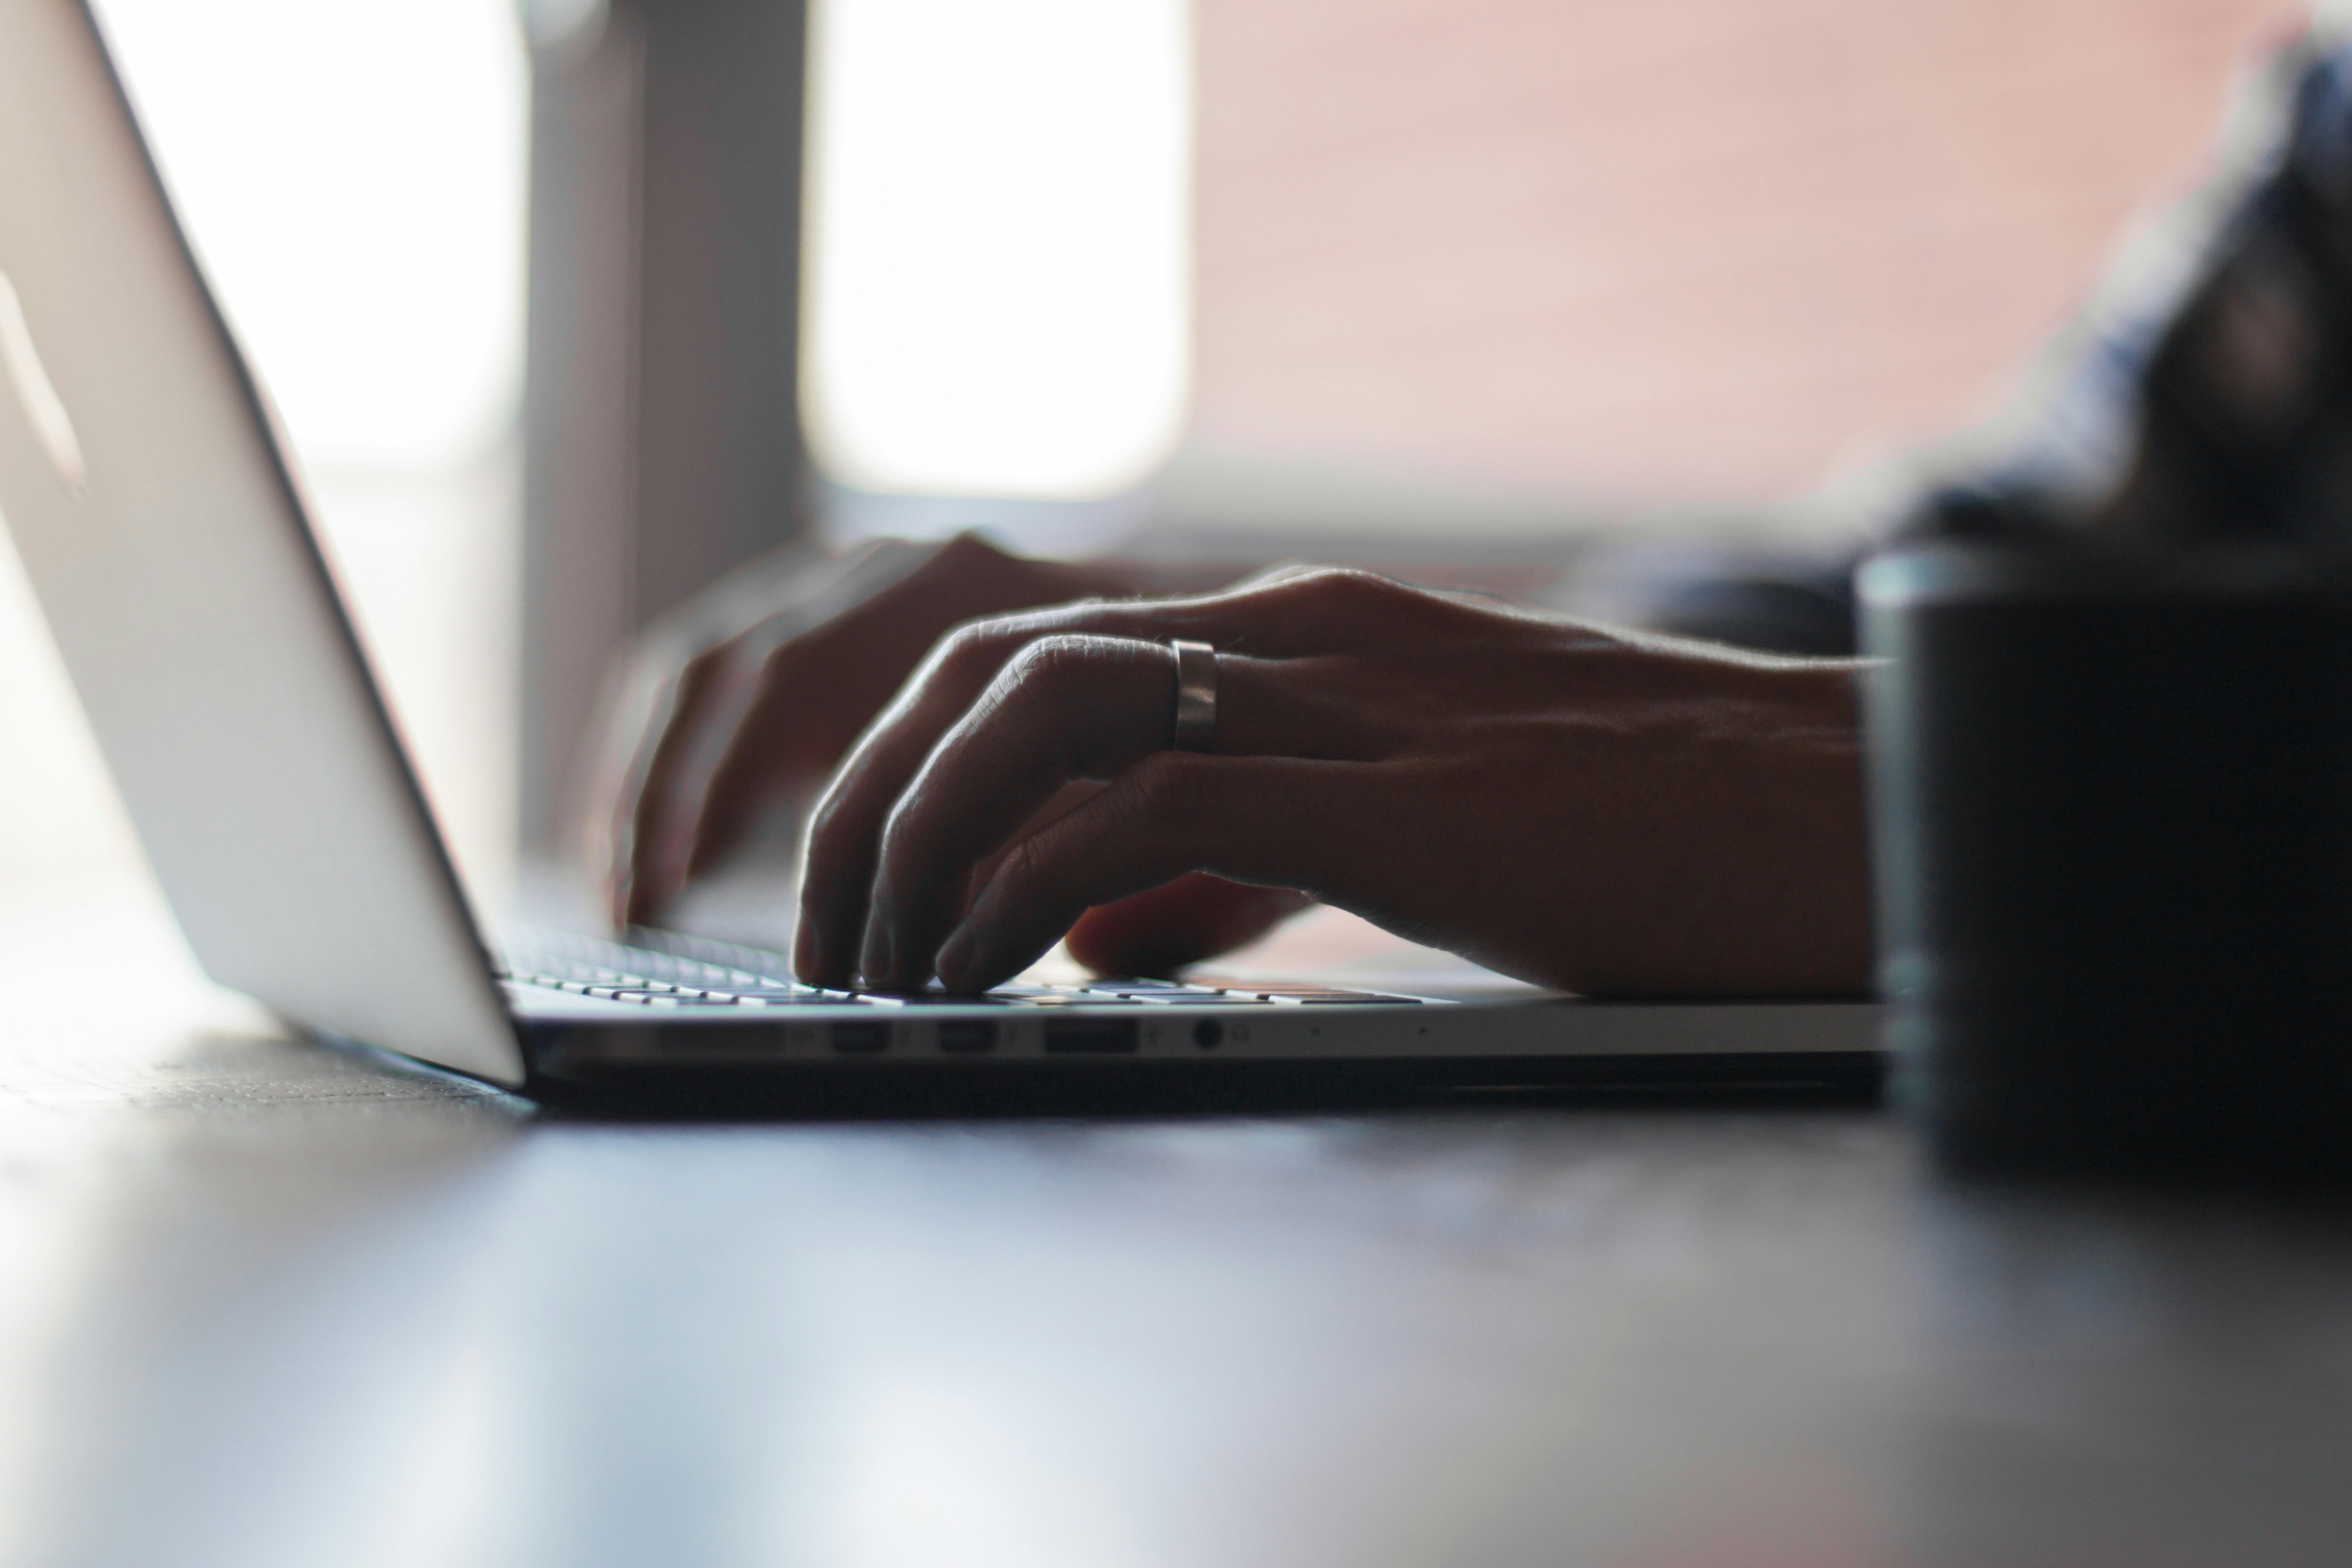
262,1303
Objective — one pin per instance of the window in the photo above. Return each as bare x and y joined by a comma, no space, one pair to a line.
997,274
352,174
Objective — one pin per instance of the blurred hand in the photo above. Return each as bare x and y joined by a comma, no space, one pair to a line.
1591,809
750,696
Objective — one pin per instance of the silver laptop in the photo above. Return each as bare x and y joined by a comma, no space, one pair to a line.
151,497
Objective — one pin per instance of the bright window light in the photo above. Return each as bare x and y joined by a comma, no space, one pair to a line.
998,248
352,174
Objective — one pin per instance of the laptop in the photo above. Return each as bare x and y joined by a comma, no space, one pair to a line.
151,496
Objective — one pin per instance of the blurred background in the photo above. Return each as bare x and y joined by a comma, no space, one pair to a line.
1359,278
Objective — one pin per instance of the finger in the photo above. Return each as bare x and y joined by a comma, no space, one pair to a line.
1066,708
656,702
687,722
1194,918
632,695
1267,821
837,855
657,805
838,858
817,692
1320,612
1068,799
783,738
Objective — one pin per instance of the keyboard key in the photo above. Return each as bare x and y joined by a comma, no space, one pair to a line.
1151,992
1337,999
671,999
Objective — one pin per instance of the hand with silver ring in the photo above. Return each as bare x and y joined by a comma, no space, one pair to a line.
1600,811
1196,696
741,703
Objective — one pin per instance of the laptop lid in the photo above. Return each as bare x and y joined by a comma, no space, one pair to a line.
167,539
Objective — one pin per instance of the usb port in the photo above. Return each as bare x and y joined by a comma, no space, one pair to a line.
968,1037
1094,1037
863,1038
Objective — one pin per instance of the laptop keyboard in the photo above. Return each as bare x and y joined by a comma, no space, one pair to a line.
692,972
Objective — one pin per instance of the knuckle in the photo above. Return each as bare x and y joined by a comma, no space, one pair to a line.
1167,786
1066,686
966,642
965,654
1044,666
1022,870
985,642
1351,585
1338,596
893,846
777,660
823,822
828,818
704,665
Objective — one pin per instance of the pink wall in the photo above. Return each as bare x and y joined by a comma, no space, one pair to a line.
1636,250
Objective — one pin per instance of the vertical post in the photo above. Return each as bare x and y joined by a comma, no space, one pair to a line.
662,416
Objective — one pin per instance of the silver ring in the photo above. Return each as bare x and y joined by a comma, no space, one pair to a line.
1196,696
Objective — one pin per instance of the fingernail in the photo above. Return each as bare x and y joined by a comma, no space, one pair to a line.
955,957
874,953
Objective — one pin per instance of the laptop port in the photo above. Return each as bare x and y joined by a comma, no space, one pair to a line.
861,1037
1093,1036
967,1037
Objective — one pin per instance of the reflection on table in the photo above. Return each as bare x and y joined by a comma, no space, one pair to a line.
265,1303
